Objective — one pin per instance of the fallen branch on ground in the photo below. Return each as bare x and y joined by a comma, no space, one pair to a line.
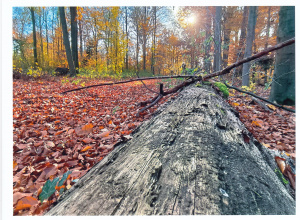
126,81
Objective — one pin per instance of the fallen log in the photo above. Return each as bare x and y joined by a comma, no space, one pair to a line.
193,157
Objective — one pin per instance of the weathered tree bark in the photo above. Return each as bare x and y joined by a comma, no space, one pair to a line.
193,157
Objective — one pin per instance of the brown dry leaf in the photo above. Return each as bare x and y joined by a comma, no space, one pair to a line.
281,163
104,134
87,140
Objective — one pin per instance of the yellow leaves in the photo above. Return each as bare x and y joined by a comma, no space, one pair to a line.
234,103
266,145
271,107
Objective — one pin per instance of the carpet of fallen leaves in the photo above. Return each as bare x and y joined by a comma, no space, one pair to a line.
54,133
275,128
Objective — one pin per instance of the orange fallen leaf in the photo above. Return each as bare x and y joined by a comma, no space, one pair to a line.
14,164
87,140
87,128
26,202
58,133
257,123
86,148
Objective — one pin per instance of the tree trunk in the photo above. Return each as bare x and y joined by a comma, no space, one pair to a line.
153,42
207,62
47,35
249,42
41,41
193,157
226,32
66,40
74,35
217,39
34,38
80,37
242,41
283,84
127,42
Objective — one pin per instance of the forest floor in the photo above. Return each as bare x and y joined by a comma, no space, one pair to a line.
54,133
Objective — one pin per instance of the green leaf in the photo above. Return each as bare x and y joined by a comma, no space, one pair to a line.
61,191
64,177
48,189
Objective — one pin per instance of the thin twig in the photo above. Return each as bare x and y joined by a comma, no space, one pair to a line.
256,96
145,84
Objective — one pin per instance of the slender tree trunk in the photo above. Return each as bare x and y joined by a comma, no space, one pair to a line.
53,36
217,40
34,38
66,40
249,42
153,44
207,62
226,41
47,36
267,40
144,33
126,29
74,35
137,47
80,37
242,41
41,41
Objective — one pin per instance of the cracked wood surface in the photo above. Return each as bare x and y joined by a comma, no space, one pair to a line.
178,163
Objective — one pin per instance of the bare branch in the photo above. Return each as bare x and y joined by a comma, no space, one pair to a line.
149,106
247,59
126,81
